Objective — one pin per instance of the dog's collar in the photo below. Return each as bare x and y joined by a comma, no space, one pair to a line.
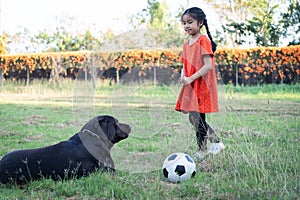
91,132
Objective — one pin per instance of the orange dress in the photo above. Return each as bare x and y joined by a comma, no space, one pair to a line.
201,95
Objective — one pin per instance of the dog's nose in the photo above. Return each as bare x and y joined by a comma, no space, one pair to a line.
125,127
129,128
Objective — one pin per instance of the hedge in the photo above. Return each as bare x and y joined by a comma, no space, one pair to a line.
259,65
235,66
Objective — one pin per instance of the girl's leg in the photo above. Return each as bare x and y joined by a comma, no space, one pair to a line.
201,127
212,136
203,130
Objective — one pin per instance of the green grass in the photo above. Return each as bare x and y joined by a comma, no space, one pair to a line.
259,126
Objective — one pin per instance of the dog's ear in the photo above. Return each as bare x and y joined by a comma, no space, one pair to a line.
100,118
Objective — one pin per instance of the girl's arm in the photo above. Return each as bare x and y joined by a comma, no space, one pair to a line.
201,72
182,72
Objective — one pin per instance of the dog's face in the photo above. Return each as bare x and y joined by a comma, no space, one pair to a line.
113,129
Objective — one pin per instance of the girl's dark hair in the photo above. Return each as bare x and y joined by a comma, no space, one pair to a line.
199,15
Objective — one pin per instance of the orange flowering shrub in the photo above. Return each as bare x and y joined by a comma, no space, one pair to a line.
238,66
259,65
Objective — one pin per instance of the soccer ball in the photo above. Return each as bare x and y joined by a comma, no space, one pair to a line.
178,167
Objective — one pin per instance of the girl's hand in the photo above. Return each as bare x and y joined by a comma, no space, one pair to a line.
186,80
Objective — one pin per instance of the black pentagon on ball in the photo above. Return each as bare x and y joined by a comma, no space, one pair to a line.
189,159
193,174
180,170
165,172
172,157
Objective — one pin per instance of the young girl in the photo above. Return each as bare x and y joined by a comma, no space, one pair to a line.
198,94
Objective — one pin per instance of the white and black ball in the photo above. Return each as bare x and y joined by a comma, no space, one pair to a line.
178,167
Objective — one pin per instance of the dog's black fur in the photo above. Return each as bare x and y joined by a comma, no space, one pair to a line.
60,161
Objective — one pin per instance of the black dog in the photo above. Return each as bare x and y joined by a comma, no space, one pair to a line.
85,152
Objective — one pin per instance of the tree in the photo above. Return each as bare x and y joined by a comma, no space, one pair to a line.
261,27
20,42
154,16
234,11
157,14
243,18
163,28
291,22
266,32
61,40
64,39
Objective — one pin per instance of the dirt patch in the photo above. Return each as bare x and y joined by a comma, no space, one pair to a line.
34,120
33,138
206,165
8,133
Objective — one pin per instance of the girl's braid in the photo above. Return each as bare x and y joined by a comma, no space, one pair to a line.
213,44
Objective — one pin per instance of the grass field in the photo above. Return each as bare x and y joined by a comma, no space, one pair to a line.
259,126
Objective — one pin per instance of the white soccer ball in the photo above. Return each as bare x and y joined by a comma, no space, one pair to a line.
178,167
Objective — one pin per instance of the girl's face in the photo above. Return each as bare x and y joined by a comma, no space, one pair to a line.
191,26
